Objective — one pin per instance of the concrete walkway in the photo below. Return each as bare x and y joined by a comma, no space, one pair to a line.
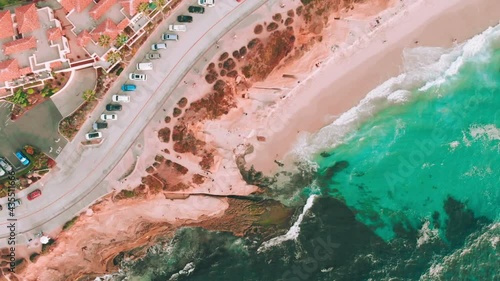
70,97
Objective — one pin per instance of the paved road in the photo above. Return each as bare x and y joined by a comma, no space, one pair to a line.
78,181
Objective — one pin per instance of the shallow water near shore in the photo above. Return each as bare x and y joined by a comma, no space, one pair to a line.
412,193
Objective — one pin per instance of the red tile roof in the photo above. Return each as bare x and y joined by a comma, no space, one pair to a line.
77,5
26,70
56,65
130,6
83,38
107,27
101,8
27,18
54,33
6,26
124,23
19,45
9,70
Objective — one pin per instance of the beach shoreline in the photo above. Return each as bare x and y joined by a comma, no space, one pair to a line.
352,76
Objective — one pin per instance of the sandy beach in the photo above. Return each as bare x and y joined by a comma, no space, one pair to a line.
342,81
357,50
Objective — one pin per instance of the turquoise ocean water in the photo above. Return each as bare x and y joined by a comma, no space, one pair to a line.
407,187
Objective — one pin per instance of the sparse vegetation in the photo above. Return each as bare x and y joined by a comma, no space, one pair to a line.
89,95
69,223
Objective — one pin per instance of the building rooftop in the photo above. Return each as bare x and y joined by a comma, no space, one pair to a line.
107,27
83,38
101,8
54,33
27,18
19,45
130,6
6,26
77,5
9,70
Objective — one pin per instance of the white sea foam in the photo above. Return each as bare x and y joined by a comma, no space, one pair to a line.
186,271
474,251
293,232
453,145
470,49
490,132
419,75
426,234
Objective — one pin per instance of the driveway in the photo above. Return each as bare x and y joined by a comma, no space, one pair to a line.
70,97
37,127
79,179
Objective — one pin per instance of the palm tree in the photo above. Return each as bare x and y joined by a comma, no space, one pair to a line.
160,3
89,95
143,7
113,57
121,39
104,40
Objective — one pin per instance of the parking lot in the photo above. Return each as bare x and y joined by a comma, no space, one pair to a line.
38,127
139,76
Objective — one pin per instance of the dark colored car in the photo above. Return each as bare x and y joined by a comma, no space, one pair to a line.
196,9
113,107
34,194
99,125
184,18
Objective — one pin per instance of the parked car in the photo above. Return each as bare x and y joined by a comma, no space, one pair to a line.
120,98
94,135
196,9
183,18
145,66
169,37
5,165
105,117
128,87
24,160
113,107
177,27
153,56
137,77
34,194
158,46
99,125
206,3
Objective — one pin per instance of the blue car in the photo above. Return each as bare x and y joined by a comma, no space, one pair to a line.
22,158
128,87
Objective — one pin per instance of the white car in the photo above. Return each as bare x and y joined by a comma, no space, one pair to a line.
105,117
158,46
93,136
120,98
206,3
137,77
177,27
144,66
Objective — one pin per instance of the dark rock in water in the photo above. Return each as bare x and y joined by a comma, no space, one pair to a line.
341,241
336,168
461,221
325,154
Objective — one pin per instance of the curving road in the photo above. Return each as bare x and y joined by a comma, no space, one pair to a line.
77,181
